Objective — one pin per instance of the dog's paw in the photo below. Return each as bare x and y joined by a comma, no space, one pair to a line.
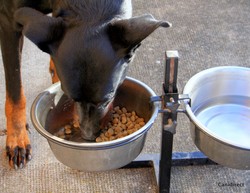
18,148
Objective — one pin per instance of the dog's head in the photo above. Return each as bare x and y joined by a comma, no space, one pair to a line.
90,60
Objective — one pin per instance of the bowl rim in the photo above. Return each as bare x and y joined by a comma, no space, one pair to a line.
92,145
192,116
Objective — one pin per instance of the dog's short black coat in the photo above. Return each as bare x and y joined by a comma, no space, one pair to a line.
90,43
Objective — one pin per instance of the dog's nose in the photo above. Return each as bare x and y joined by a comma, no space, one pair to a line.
88,133
93,117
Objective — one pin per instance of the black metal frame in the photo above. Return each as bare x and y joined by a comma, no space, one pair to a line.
164,161
162,170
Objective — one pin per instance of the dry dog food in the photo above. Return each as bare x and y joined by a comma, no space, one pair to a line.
122,124
70,132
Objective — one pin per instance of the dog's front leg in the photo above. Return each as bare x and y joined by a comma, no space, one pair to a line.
17,143
52,70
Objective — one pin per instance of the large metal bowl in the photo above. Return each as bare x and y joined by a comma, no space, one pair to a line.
220,114
92,156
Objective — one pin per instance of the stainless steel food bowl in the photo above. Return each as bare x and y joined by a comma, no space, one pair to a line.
220,114
91,156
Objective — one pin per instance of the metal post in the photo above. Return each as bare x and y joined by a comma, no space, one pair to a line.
166,159
169,107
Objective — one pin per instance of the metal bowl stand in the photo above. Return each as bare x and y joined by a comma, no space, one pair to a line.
163,162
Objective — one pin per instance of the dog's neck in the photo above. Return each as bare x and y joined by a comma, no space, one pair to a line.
92,11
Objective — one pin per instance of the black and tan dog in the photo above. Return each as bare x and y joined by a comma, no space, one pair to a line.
90,43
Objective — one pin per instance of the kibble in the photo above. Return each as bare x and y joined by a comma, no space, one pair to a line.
123,123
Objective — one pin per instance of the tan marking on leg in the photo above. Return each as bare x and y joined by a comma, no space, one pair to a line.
52,70
17,135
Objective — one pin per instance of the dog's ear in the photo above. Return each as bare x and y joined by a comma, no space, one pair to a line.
127,34
41,29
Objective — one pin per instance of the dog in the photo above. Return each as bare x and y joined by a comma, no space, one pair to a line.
90,42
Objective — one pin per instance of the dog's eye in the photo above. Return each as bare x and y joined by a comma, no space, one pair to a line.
59,13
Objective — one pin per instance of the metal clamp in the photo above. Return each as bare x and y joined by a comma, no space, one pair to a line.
170,108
